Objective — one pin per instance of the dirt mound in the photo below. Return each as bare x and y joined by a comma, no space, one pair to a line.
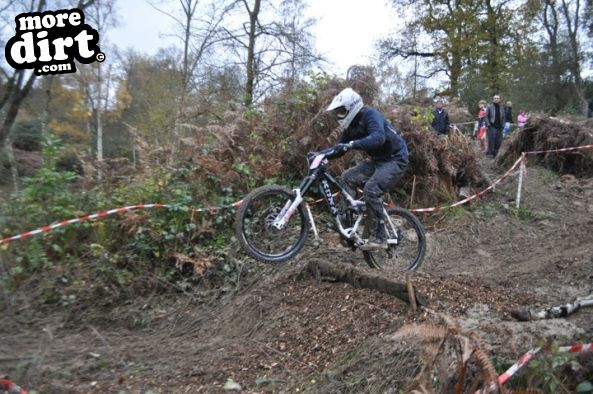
544,134
440,166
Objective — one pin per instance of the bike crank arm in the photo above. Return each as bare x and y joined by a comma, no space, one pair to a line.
351,232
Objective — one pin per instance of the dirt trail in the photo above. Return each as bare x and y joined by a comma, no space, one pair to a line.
288,331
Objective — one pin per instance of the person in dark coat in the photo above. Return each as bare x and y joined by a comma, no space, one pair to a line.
440,122
495,122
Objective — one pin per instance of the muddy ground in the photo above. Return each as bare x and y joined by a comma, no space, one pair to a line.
286,331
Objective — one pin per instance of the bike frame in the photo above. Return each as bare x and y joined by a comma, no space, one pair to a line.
318,174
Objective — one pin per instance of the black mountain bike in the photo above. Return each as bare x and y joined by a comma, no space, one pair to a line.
272,222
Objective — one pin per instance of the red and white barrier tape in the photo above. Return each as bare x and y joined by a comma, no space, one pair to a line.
465,200
524,359
559,149
576,348
102,214
85,218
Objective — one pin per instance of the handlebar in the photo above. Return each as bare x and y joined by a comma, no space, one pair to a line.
314,159
327,153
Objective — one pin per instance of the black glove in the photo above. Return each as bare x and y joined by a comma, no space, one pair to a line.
336,151
342,148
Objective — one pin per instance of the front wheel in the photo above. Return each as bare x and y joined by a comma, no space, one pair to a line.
407,242
255,230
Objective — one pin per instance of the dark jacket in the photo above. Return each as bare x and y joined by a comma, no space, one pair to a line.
440,123
508,114
372,133
491,115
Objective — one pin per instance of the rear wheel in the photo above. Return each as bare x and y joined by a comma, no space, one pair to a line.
409,251
255,230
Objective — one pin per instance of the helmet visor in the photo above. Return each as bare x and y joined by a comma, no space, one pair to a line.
341,112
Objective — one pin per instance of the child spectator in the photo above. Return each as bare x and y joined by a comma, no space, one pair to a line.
522,118
508,118
480,130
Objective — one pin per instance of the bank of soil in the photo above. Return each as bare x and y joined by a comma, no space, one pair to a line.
288,331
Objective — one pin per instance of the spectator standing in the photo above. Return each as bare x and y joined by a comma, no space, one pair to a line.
494,120
508,118
522,118
440,123
480,130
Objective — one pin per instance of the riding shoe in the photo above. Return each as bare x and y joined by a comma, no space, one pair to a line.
378,240
374,243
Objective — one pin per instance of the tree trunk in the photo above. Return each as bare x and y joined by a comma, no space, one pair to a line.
455,74
48,81
13,165
13,104
251,69
493,51
551,25
572,25
99,118
99,136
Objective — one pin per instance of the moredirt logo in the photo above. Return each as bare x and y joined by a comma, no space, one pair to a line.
50,41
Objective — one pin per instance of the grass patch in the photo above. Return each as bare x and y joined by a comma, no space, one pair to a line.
486,211
454,213
549,175
527,214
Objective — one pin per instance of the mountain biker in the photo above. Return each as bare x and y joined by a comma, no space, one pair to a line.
365,128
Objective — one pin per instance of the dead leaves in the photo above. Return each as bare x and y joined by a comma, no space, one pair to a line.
197,264
131,222
454,358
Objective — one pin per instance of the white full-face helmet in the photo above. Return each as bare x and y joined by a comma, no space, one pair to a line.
346,105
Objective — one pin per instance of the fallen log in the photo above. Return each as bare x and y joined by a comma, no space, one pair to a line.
323,270
524,314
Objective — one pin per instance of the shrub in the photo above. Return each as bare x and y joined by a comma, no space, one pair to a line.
116,258
26,135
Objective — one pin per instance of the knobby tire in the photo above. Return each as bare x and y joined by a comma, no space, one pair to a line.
255,233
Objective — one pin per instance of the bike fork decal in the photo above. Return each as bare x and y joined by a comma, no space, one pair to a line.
287,211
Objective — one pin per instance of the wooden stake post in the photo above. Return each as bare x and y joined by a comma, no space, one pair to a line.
411,293
521,172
